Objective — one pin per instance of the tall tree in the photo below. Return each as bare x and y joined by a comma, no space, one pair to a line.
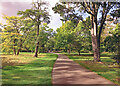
38,14
94,9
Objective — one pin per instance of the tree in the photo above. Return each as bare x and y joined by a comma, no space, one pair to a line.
93,9
82,37
25,30
15,33
116,38
65,36
38,14
44,37
115,14
11,34
68,13
51,41
116,33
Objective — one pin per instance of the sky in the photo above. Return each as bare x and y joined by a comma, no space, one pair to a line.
11,7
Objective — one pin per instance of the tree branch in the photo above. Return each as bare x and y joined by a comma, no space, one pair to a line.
85,8
88,6
104,15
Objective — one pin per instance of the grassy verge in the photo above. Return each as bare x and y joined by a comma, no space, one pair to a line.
36,71
107,68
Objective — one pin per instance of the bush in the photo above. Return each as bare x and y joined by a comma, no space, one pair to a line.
117,58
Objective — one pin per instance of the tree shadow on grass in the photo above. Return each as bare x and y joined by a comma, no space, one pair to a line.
36,72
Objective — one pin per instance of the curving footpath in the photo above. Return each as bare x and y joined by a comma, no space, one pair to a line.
67,72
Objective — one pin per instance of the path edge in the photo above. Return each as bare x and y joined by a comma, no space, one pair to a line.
53,68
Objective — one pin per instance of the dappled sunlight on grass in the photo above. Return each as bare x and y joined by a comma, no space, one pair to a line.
37,71
23,58
8,60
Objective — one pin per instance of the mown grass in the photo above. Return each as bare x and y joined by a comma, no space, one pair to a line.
108,68
36,71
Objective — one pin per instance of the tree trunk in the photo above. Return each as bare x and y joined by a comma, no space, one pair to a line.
118,52
79,53
37,44
20,46
100,31
98,40
95,48
14,51
36,49
95,44
70,49
18,51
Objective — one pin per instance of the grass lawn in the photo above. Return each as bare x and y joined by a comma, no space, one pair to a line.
28,69
107,68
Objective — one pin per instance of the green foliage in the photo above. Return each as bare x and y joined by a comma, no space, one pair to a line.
67,13
51,43
35,14
12,35
116,36
71,37
65,35
38,14
43,38
111,42
20,33
82,40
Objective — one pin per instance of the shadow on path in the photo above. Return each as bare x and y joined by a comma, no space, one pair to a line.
66,72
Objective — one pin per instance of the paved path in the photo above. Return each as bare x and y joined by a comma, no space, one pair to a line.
66,71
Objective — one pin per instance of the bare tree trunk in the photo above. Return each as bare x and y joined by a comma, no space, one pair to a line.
118,52
70,49
98,40
95,44
14,51
79,53
18,51
20,46
100,30
95,48
37,44
36,49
